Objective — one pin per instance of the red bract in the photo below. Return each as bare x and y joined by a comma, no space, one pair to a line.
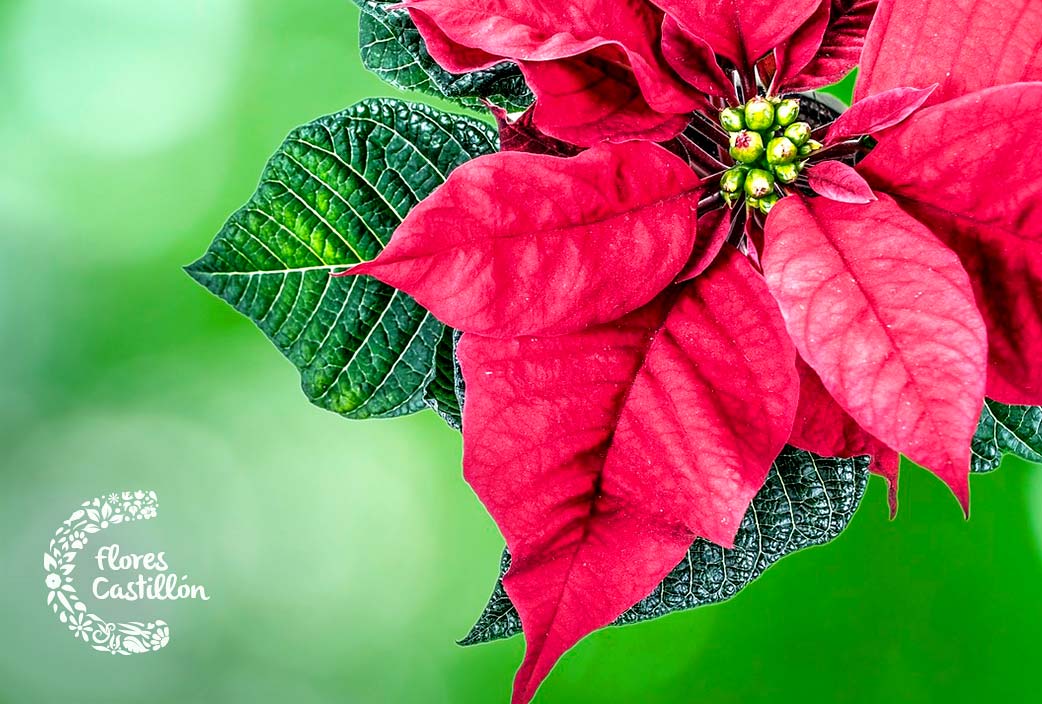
964,45
564,49
877,112
741,31
606,230
630,347
842,37
603,454
884,314
982,195
839,182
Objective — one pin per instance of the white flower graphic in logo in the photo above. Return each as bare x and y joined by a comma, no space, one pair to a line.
59,563
81,626
160,637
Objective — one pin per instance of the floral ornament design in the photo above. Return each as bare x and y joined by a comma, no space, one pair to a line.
81,626
59,563
678,276
159,637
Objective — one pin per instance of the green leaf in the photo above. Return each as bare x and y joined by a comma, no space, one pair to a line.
393,49
807,500
1016,430
441,391
331,196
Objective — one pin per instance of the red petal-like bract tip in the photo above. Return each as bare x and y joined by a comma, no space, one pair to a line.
887,464
823,427
964,45
615,110
742,31
694,61
586,58
713,228
878,112
839,182
792,56
980,192
839,50
527,244
450,55
519,134
885,314
601,455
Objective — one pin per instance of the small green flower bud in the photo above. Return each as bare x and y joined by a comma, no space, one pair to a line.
810,147
787,112
759,114
786,173
732,119
732,180
767,202
752,202
780,150
798,133
730,199
758,183
746,146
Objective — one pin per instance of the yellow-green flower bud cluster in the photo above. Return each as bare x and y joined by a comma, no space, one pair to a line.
769,146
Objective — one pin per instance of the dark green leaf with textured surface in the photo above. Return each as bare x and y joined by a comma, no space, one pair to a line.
331,196
807,500
441,391
1016,430
393,49
461,386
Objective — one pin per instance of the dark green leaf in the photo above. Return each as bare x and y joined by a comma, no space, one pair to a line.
1003,429
461,386
393,49
441,391
331,196
807,500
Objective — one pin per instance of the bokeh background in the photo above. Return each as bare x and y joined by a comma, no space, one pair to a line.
343,559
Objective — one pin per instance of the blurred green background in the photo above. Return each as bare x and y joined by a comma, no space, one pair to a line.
343,559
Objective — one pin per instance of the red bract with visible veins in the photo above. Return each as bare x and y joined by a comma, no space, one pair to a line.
839,182
641,340
982,195
741,31
884,314
842,25
603,454
564,50
964,45
514,226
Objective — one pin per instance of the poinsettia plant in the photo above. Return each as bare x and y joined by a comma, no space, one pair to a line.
678,303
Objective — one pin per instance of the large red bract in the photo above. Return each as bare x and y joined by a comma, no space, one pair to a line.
884,314
564,49
530,244
982,196
603,454
842,38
